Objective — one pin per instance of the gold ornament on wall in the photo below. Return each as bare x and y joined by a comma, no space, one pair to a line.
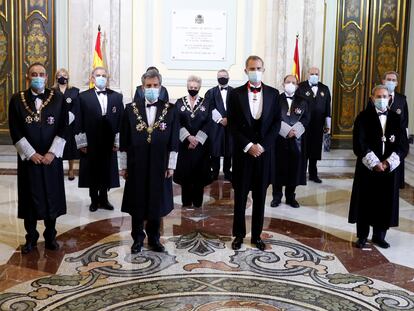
36,43
350,59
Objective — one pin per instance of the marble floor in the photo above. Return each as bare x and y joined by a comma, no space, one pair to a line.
310,262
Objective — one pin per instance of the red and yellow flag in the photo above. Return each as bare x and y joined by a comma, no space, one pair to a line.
97,54
296,68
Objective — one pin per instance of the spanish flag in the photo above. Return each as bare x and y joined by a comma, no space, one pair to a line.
296,68
97,55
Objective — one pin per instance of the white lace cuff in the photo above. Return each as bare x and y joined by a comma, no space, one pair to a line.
370,160
201,137
58,145
116,141
284,129
247,147
71,117
394,161
184,134
25,149
216,116
122,159
172,161
299,128
81,140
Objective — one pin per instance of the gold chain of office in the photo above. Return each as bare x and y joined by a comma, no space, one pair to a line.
35,116
141,125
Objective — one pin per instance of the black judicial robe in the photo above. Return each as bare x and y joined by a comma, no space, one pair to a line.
193,165
290,153
71,100
243,130
41,190
220,137
139,94
319,108
375,195
99,166
147,193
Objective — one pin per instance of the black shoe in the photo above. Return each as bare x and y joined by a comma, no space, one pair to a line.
228,176
293,203
156,246
361,243
259,244
108,206
237,243
275,202
52,245
381,243
28,247
315,179
93,207
136,247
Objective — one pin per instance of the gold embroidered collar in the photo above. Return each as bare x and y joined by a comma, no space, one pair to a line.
159,124
35,116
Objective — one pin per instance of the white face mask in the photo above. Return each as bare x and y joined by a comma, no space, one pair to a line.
313,79
290,88
391,85
255,76
381,104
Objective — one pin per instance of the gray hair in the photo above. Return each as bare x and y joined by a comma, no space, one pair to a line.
99,68
391,73
379,87
151,73
193,78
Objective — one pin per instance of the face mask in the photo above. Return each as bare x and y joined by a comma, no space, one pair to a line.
62,80
290,88
151,94
223,81
193,92
38,83
255,76
100,82
313,79
390,86
381,103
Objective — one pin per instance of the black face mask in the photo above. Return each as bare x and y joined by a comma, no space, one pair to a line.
223,80
62,80
193,92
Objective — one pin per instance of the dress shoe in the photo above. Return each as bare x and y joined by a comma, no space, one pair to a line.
52,245
315,179
381,243
361,243
293,203
237,243
28,247
275,202
259,244
106,205
93,207
136,247
156,246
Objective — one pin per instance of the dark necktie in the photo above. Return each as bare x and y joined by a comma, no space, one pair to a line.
382,113
101,92
149,105
290,97
255,89
223,88
40,96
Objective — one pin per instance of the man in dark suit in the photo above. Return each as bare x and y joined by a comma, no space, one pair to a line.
398,104
139,92
254,120
220,138
101,114
319,99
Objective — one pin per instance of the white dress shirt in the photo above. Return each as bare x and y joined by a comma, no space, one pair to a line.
256,108
103,100
224,97
151,112
38,101
314,89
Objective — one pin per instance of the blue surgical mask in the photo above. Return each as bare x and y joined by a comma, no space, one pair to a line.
255,76
390,85
100,82
381,104
313,79
38,83
152,94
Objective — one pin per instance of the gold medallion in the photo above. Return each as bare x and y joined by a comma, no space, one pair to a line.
150,129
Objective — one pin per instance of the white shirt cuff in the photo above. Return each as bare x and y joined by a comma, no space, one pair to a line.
122,160
247,147
408,133
370,160
116,141
25,149
284,129
299,128
184,134
172,161
394,161
216,116
81,140
58,145
328,123
201,137
71,117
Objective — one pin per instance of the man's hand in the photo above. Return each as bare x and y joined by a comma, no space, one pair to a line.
224,121
292,133
379,167
326,130
385,165
84,149
48,158
169,173
193,142
115,149
255,150
36,158
123,174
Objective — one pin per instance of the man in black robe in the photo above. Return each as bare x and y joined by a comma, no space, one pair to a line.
101,114
149,144
379,142
254,120
398,104
38,123
319,99
220,137
139,92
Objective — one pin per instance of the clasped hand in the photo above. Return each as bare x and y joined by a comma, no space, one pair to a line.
39,159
